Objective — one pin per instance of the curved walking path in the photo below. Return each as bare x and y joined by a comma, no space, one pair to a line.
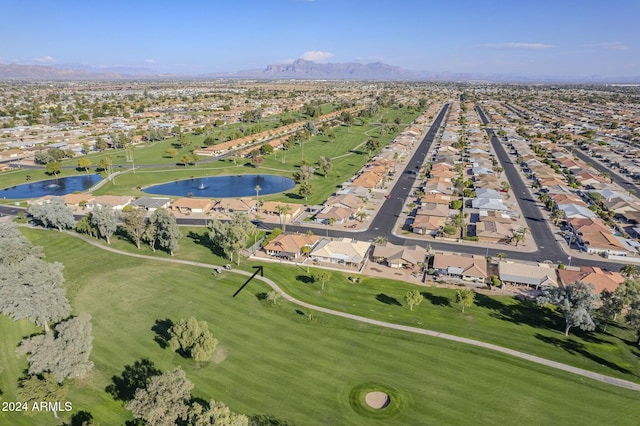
522,355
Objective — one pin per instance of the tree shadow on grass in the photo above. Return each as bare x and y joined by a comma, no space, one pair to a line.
531,314
304,279
574,348
387,300
161,328
261,296
205,241
80,418
267,420
133,377
294,196
489,302
436,300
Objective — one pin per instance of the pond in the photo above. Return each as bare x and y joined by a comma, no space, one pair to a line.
57,187
223,186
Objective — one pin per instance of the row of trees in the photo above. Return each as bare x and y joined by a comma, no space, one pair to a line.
31,288
579,305
160,231
464,297
232,236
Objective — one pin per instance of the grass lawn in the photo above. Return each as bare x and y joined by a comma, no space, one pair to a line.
275,360
504,321
529,328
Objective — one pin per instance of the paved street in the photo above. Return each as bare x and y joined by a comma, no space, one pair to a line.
384,221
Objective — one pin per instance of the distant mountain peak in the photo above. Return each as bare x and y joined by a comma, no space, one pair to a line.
302,68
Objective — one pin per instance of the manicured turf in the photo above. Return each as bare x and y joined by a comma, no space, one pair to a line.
275,360
504,321
527,327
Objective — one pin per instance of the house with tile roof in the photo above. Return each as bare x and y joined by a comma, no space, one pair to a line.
599,279
465,266
343,251
407,257
517,273
187,205
290,246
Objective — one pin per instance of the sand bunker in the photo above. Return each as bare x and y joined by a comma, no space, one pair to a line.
377,400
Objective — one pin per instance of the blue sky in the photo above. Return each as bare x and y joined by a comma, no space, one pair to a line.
568,38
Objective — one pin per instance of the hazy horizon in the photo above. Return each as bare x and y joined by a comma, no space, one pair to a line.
541,38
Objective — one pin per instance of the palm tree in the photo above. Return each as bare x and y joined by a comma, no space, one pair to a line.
361,215
283,210
459,222
380,240
557,216
257,189
629,270
501,256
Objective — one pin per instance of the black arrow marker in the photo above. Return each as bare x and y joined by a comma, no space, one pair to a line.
258,269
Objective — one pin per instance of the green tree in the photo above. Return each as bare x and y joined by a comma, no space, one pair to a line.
105,219
325,166
53,167
459,222
134,224
54,214
215,414
232,236
465,297
44,387
612,304
192,339
632,318
162,231
100,144
164,401
576,302
305,190
557,216
629,270
372,145
413,298
171,152
65,355
84,226
15,247
283,210
273,297
380,240
84,163
31,288
321,276
361,215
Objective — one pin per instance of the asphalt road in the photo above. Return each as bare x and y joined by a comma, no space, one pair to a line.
617,177
536,222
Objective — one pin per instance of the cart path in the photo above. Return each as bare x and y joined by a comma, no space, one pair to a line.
522,355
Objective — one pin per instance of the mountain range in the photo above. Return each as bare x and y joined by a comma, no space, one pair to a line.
298,69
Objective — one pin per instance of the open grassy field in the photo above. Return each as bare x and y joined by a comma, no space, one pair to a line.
276,360
500,320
